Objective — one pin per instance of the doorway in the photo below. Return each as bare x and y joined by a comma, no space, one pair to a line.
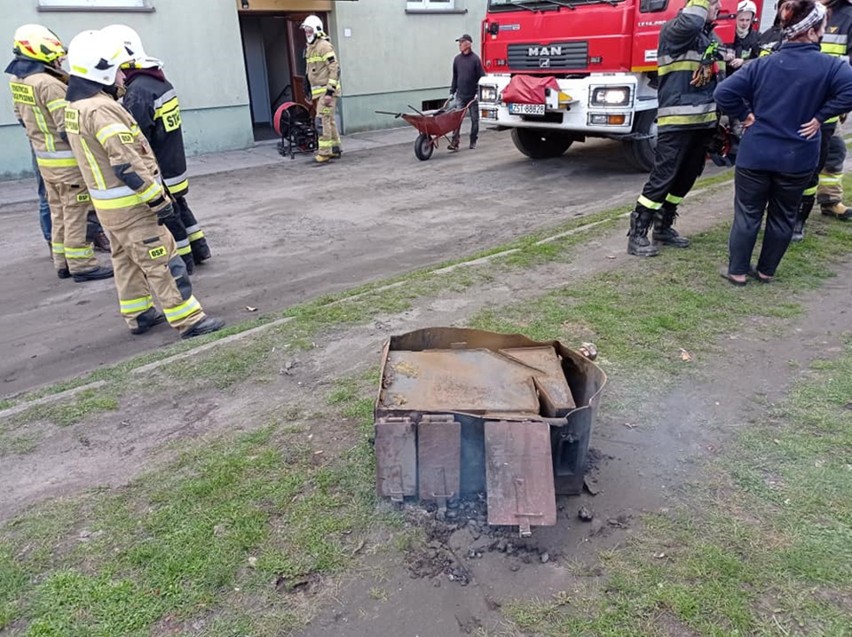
273,50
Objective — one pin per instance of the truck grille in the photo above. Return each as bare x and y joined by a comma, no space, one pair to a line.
557,56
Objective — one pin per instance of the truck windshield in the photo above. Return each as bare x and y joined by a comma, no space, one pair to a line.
537,5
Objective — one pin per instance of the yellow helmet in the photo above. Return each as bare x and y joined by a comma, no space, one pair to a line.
38,43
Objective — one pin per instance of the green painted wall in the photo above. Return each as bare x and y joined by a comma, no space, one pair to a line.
392,58
203,58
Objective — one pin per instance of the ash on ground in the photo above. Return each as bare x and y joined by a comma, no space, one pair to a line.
460,534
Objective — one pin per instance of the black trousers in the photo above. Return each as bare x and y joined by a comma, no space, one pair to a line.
678,161
473,113
755,191
809,197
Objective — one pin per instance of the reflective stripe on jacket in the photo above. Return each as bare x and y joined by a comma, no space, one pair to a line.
684,40
323,68
103,135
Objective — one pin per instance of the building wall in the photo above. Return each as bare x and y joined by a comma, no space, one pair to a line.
392,58
199,42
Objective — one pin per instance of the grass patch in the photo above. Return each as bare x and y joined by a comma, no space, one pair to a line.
644,316
83,405
764,549
226,529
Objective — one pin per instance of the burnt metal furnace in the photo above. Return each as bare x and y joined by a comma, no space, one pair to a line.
463,411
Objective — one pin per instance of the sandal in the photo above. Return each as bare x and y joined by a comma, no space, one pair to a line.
757,276
730,279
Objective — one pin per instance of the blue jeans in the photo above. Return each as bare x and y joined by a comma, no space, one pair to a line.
43,207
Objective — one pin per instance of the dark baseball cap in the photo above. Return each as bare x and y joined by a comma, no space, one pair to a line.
466,37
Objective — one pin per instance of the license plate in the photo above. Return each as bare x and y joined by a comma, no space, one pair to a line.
526,109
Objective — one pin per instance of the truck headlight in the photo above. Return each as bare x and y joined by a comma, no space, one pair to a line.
488,93
611,96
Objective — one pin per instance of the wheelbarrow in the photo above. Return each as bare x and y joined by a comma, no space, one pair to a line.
432,125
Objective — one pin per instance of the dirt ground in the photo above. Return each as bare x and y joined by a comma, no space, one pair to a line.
292,231
301,244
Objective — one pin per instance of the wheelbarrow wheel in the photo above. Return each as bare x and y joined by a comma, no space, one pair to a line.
423,147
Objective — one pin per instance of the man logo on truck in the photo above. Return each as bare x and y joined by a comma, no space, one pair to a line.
537,51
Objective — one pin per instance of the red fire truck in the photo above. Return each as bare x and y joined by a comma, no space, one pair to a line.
595,62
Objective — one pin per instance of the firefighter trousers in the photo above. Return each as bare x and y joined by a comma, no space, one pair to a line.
678,161
69,207
809,196
146,264
178,230
330,139
195,235
831,177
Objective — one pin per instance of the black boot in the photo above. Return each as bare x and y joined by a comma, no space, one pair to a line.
200,250
189,260
664,233
205,326
637,242
148,319
97,274
805,209
798,231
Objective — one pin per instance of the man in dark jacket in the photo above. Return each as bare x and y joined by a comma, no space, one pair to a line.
686,120
745,47
152,101
467,69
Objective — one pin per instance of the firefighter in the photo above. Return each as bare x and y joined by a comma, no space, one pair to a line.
152,101
837,41
745,46
687,59
38,93
324,78
125,185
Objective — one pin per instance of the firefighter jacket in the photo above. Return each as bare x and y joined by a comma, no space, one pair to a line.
838,35
38,97
323,68
686,50
116,161
152,101
838,31
770,40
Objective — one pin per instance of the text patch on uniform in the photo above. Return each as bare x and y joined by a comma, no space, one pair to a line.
72,120
22,93
83,197
156,253
126,138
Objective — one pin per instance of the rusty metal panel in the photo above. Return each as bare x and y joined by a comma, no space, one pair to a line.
519,474
439,458
396,458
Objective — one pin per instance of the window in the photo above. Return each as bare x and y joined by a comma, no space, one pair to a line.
430,5
95,5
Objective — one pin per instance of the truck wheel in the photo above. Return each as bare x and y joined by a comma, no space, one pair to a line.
640,152
538,144
423,147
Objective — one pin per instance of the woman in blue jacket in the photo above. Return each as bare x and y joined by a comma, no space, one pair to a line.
782,101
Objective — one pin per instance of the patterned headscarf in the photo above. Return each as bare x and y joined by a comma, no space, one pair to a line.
810,21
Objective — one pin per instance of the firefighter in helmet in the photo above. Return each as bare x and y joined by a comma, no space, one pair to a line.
837,41
38,92
687,63
125,186
152,101
324,78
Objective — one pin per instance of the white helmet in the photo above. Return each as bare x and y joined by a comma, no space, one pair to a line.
133,44
96,56
747,6
313,23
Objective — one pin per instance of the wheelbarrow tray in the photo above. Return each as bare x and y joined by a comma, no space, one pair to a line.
437,123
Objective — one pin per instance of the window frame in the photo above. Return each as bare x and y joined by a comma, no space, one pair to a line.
123,6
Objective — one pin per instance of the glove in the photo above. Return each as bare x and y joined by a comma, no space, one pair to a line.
165,213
